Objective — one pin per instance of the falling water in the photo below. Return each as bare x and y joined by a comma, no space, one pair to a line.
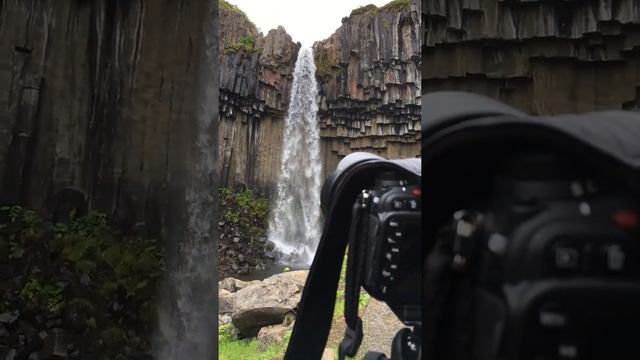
295,217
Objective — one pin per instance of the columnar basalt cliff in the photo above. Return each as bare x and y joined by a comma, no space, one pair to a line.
369,78
99,102
256,72
542,56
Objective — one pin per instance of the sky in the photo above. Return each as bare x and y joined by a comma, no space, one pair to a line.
305,20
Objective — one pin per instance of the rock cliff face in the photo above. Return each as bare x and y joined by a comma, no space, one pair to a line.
99,102
369,78
545,57
256,72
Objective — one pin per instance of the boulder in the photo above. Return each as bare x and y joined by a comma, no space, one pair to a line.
267,303
271,335
225,301
224,319
232,285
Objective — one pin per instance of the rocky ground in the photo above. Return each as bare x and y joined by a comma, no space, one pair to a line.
261,309
238,255
243,247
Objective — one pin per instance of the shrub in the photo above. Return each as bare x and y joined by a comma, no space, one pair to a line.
246,210
246,44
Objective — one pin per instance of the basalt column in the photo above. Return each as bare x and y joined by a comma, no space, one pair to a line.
545,57
369,77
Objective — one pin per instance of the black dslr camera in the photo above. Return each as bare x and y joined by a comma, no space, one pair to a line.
372,205
392,243
532,233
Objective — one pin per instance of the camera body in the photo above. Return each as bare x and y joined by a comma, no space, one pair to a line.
548,270
392,244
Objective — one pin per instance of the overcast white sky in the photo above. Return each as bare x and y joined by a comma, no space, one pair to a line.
305,20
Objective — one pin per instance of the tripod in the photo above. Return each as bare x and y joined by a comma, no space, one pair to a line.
405,346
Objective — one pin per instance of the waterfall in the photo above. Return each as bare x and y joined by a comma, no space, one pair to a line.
294,226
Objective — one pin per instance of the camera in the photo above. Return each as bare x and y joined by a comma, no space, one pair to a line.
392,244
531,233
373,205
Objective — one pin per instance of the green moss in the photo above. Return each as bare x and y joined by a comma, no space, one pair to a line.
396,5
230,8
363,10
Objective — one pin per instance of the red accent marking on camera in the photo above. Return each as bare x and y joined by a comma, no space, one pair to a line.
626,219
417,192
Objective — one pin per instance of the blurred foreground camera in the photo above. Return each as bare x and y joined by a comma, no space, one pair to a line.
372,205
531,232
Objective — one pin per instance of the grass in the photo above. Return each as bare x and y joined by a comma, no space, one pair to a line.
230,348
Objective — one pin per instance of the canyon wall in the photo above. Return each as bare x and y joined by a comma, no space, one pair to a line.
369,79
99,106
256,73
544,57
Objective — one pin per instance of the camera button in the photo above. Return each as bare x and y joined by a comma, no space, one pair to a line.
550,318
615,257
568,351
391,241
413,204
566,258
398,204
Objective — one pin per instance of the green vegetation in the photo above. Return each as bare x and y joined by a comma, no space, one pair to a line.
245,210
363,10
42,297
246,44
394,5
84,272
230,8
230,348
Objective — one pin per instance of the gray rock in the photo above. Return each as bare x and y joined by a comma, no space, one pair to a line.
233,285
9,317
225,301
224,319
271,335
268,302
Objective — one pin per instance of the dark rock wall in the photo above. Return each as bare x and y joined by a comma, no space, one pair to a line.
544,57
99,99
254,97
369,78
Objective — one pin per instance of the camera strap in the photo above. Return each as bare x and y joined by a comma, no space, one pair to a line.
353,333
315,313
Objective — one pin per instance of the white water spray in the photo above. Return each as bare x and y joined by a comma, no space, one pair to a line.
294,227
